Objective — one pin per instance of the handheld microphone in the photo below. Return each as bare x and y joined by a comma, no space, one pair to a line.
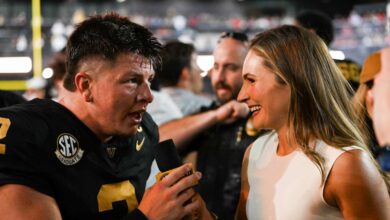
167,159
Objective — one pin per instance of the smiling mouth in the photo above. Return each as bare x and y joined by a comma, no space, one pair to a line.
254,109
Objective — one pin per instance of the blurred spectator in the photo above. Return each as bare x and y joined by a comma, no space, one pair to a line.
361,101
57,64
163,108
363,104
381,92
317,22
381,116
350,70
321,24
35,88
180,77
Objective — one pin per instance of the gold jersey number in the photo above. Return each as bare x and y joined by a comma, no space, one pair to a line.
115,192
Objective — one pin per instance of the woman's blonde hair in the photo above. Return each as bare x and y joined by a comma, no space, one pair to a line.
359,105
320,105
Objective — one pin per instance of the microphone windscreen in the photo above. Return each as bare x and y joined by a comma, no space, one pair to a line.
166,155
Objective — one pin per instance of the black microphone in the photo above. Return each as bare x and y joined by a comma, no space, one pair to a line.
167,159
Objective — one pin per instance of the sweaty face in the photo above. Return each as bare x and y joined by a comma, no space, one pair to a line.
226,76
120,92
268,99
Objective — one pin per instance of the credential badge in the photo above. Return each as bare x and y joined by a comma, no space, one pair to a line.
68,149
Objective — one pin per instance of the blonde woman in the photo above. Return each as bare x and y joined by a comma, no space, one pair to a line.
314,163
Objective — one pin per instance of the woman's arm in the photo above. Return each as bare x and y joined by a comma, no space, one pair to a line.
357,188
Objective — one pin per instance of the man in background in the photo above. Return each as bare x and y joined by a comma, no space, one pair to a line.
220,133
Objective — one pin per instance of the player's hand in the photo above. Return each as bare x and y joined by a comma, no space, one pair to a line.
168,199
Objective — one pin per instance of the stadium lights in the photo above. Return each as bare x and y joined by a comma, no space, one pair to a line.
15,65
337,54
47,73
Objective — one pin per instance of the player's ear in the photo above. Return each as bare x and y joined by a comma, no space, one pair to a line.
83,85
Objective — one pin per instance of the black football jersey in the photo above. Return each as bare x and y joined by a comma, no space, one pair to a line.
46,147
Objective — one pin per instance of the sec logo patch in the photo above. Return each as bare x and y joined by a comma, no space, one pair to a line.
68,150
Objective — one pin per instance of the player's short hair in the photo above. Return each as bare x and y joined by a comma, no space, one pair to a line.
108,36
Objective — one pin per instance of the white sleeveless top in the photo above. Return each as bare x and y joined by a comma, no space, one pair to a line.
288,187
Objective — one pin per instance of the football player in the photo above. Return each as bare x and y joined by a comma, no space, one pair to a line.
89,155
